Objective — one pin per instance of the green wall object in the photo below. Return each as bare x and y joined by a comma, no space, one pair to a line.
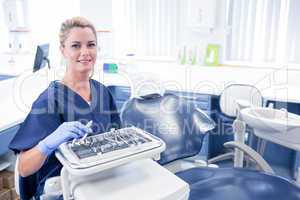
110,67
113,68
212,55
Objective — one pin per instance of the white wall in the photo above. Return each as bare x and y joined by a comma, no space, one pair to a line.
203,36
99,12
45,18
3,31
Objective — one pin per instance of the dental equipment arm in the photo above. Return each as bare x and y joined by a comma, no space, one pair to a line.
262,164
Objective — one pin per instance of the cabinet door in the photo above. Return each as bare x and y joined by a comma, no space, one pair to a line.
201,13
15,13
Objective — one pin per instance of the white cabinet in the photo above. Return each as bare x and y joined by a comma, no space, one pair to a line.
15,14
142,179
201,14
16,23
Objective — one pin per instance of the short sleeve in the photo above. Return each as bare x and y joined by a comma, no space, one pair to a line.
42,120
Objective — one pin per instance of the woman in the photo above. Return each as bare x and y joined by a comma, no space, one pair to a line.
62,111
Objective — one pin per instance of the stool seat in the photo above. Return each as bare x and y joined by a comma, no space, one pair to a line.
237,183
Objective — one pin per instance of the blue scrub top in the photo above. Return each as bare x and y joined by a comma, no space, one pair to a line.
58,104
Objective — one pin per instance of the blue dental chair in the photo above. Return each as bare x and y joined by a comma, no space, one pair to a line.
182,126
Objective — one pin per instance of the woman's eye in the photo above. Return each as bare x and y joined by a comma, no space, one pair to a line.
91,45
75,46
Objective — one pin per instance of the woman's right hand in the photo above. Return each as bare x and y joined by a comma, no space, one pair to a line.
64,133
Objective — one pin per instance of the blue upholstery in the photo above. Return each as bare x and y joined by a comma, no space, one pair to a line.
174,120
179,124
241,184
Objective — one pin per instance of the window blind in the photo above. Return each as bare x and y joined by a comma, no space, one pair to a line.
293,39
147,27
258,30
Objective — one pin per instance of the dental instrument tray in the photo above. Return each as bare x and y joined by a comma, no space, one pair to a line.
110,149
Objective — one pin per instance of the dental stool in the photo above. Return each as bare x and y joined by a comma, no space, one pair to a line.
182,126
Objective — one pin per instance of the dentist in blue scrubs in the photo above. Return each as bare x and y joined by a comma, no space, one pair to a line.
62,111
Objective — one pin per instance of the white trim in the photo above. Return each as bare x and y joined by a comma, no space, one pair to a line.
289,66
253,65
155,58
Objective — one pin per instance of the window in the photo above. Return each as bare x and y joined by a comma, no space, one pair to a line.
262,31
147,28
293,39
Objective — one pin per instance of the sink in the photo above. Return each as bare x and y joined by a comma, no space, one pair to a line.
275,125
269,119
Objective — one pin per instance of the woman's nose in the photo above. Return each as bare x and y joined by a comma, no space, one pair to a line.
85,51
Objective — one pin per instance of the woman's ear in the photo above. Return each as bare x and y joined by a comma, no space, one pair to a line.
61,48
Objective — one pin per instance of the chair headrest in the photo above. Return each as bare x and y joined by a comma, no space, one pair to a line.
150,96
146,84
234,94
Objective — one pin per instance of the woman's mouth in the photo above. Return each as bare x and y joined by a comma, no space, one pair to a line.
85,61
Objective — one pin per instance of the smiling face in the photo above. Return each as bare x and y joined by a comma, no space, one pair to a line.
80,49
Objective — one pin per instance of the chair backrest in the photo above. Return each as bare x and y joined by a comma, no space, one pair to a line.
239,92
176,121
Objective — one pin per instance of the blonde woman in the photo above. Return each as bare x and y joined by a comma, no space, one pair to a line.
61,112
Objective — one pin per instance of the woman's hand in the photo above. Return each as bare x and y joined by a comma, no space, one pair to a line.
32,160
64,133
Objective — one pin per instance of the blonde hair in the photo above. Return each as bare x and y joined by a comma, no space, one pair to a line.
74,22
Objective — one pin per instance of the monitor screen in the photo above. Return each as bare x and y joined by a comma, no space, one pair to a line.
41,57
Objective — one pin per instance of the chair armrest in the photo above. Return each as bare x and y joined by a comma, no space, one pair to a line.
262,164
16,176
202,121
